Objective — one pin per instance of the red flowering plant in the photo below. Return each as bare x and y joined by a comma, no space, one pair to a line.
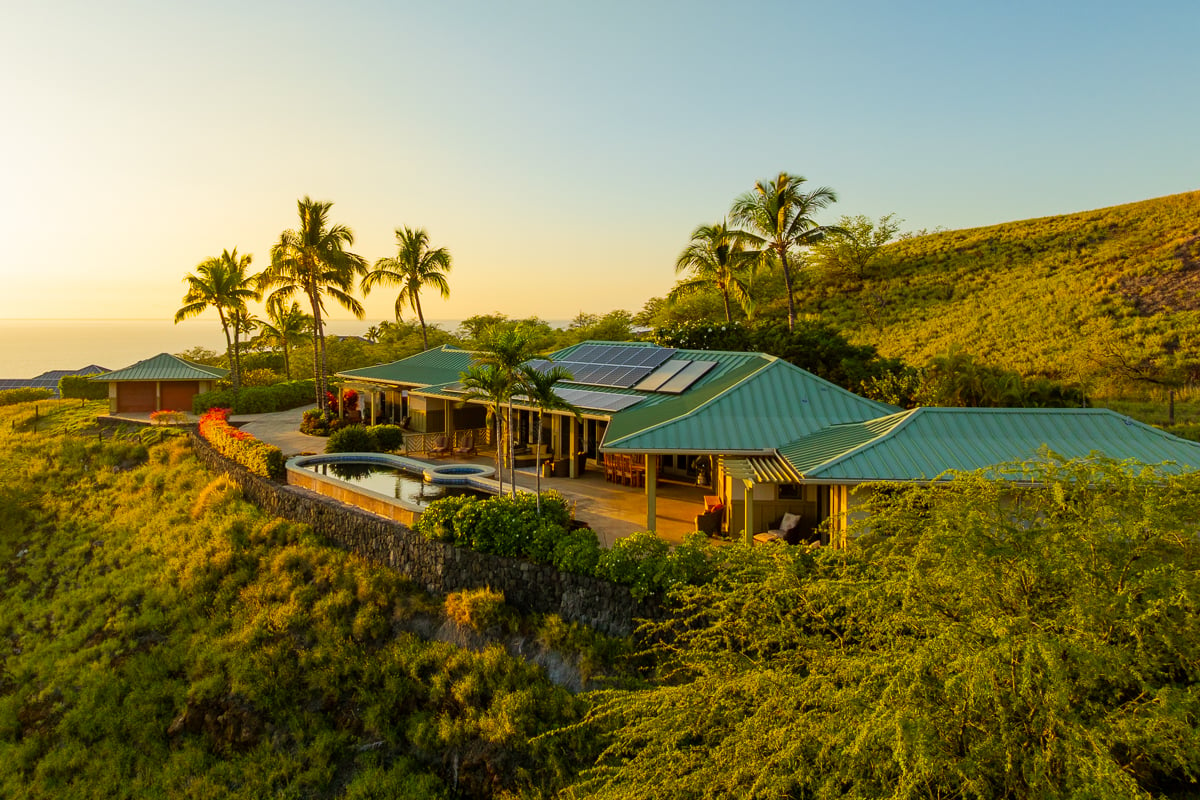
240,447
348,398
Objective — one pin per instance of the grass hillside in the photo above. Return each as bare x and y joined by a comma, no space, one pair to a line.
160,637
1069,297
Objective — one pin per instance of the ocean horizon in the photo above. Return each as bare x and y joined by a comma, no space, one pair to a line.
29,347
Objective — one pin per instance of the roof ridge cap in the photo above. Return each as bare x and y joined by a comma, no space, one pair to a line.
908,414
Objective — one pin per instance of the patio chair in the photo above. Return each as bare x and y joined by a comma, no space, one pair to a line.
467,448
440,446
709,521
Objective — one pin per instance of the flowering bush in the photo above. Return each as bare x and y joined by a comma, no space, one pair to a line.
319,423
168,417
239,446
349,398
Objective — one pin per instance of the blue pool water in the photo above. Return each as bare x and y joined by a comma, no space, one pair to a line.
391,482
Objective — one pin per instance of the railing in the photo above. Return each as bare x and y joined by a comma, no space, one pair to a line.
442,442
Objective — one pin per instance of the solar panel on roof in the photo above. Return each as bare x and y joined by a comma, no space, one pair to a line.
619,355
687,376
654,356
659,376
598,401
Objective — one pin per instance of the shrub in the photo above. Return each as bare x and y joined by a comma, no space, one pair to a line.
78,387
352,439
388,437
543,539
577,552
221,398
168,417
479,609
319,423
240,447
256,399
10,397
648,566
437,521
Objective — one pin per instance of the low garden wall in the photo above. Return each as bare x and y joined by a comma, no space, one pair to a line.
436,566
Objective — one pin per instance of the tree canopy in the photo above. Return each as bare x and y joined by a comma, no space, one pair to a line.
967,644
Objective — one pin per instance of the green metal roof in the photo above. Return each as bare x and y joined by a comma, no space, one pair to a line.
164,367
922,443
440,365
756,406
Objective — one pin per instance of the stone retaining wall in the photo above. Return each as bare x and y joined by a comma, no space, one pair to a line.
436,566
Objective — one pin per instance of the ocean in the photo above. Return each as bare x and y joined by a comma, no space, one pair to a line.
29,347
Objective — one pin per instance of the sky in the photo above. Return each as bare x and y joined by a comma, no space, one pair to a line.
562,152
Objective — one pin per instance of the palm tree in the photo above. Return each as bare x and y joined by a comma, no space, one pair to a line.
507,349
716,257
286,327
539,388
221,283
313,261
414,268
487,382
780,218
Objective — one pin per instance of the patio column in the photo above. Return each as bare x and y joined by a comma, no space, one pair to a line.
651,487
371,396
748,507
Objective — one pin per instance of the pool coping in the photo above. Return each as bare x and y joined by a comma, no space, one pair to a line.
478,476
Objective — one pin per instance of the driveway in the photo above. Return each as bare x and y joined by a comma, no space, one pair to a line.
282,429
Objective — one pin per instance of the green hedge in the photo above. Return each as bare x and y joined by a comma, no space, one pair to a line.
26,394
355,438
78,387
257,399
509,526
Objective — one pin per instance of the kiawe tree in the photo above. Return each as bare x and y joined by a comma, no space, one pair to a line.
312,260
779,219
717,259
414,267
222,283
854,251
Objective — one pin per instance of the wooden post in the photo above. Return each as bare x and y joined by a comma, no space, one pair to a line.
651,488
748,507
573,465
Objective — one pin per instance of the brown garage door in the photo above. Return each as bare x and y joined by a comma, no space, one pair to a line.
136,396
177,395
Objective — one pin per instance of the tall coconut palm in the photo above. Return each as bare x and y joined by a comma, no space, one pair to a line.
507,349
222,283
414,267
717,258
313,261
286,327
780,220
487,382
539,388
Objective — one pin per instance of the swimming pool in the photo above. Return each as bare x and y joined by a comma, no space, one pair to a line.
392,486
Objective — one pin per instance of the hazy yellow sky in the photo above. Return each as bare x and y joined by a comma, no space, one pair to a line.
562,152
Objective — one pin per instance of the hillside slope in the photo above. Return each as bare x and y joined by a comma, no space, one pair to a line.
1043,296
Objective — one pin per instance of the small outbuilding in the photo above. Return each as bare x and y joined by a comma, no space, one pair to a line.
158,383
